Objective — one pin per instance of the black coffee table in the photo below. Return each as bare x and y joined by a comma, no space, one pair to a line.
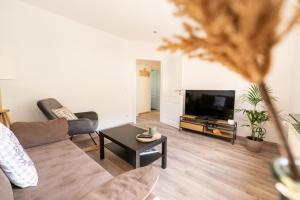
124,144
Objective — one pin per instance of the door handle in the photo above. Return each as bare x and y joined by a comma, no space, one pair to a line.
179,91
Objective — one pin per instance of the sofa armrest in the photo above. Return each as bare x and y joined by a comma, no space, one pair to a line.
31,134
89,115
80,126
6,192
135,184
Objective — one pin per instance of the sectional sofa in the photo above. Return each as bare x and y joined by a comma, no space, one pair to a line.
64,170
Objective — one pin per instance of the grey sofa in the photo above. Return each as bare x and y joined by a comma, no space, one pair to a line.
65,171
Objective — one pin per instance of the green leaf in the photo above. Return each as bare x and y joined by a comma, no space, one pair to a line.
253,95
255,117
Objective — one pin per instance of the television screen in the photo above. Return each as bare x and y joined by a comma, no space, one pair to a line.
210,104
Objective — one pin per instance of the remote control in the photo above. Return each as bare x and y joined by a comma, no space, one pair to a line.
145,136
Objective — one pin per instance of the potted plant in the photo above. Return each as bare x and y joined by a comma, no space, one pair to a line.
256,116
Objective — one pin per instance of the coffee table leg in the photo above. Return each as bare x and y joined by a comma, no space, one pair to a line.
101,137
164,154
137,160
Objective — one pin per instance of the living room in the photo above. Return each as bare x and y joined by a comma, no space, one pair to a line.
84,53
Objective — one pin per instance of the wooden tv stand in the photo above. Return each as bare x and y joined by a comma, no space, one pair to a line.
216,128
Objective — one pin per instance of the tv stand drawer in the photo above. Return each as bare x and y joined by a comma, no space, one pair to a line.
191,126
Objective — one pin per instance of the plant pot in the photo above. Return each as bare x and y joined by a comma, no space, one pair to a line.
254,145
285,184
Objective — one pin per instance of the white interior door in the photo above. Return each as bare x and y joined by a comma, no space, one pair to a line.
171,93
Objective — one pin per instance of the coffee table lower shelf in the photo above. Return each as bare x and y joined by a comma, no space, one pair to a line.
129,156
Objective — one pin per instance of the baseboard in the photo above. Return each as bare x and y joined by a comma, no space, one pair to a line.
169,122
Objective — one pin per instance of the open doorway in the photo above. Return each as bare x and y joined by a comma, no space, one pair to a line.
148,89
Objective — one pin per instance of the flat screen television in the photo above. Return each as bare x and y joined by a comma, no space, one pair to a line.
210,104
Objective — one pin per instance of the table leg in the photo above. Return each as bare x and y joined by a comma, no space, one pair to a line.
235,133
137,160
101,138
164,154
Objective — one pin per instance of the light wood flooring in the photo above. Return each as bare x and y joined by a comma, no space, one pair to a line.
201,167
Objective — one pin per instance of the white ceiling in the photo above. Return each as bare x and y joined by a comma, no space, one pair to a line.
129,19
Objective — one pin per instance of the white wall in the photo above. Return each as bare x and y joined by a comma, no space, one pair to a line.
295,87
212,76
143,94
84,68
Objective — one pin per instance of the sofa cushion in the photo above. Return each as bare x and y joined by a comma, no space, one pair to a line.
5,187
14,161
64,112
65,173
31,134
133,185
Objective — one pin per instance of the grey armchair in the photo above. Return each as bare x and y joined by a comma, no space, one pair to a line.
87,122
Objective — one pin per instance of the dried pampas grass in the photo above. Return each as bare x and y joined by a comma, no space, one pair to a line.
240,34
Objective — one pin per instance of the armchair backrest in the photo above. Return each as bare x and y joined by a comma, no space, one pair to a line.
46,106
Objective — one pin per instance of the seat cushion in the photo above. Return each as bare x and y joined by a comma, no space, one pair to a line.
65,172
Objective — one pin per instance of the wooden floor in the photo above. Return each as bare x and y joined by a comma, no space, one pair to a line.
201,167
